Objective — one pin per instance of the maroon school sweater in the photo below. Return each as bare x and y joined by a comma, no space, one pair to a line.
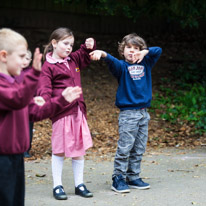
56,77
14,115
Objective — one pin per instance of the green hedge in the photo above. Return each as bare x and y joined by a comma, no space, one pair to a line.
185,99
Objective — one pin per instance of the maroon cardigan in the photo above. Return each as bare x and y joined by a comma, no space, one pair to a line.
56,77
15,113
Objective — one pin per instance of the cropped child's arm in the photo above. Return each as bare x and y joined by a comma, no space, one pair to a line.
17,96
54,105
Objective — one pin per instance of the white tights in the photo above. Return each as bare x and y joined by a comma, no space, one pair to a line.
57,167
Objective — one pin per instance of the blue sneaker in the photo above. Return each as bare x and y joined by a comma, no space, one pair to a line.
119,184
138,184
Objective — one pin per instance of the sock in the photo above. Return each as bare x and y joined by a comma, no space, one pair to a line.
57,166
78,170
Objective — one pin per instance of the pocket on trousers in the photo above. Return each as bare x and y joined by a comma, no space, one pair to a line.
129,123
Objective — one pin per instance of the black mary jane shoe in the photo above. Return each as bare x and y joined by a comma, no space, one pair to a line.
83,191
58,193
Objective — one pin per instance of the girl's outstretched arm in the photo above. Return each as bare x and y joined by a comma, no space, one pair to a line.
81,56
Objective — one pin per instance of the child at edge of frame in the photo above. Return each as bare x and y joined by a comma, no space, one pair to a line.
133,97
70,132
17,107
19,79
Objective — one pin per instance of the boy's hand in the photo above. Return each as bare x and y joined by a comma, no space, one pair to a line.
39,100
139,56
97,54
71,93
37,60
89,43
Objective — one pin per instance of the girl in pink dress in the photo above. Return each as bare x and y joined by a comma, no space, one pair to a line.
70,133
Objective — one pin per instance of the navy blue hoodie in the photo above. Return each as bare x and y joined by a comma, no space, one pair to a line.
135,80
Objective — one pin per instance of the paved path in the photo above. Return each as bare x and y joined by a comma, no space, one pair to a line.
177,178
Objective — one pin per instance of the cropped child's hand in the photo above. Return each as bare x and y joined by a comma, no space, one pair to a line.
97,54
71,93
89,43
37,60
139,56
39,100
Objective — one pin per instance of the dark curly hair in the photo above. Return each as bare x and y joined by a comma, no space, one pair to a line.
133,39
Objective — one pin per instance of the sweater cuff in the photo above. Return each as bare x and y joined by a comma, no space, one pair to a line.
107,57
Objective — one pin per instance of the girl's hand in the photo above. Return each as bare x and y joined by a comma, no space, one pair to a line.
39,100
97,54
89,43
71,93
139,56
37,60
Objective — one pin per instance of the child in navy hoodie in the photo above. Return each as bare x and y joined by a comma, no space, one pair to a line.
133,97
16,107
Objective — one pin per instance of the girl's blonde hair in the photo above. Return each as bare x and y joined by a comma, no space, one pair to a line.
58,34
9,39
133,39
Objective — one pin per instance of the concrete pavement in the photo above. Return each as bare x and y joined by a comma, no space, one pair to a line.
177,178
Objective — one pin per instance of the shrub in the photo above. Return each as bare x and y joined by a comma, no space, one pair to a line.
185,99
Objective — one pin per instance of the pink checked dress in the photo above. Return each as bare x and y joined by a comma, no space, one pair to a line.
70,134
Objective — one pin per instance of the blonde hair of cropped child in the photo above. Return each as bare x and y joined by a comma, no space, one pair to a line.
133,39
9,39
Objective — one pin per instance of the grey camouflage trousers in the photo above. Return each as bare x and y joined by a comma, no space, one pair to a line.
133,136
